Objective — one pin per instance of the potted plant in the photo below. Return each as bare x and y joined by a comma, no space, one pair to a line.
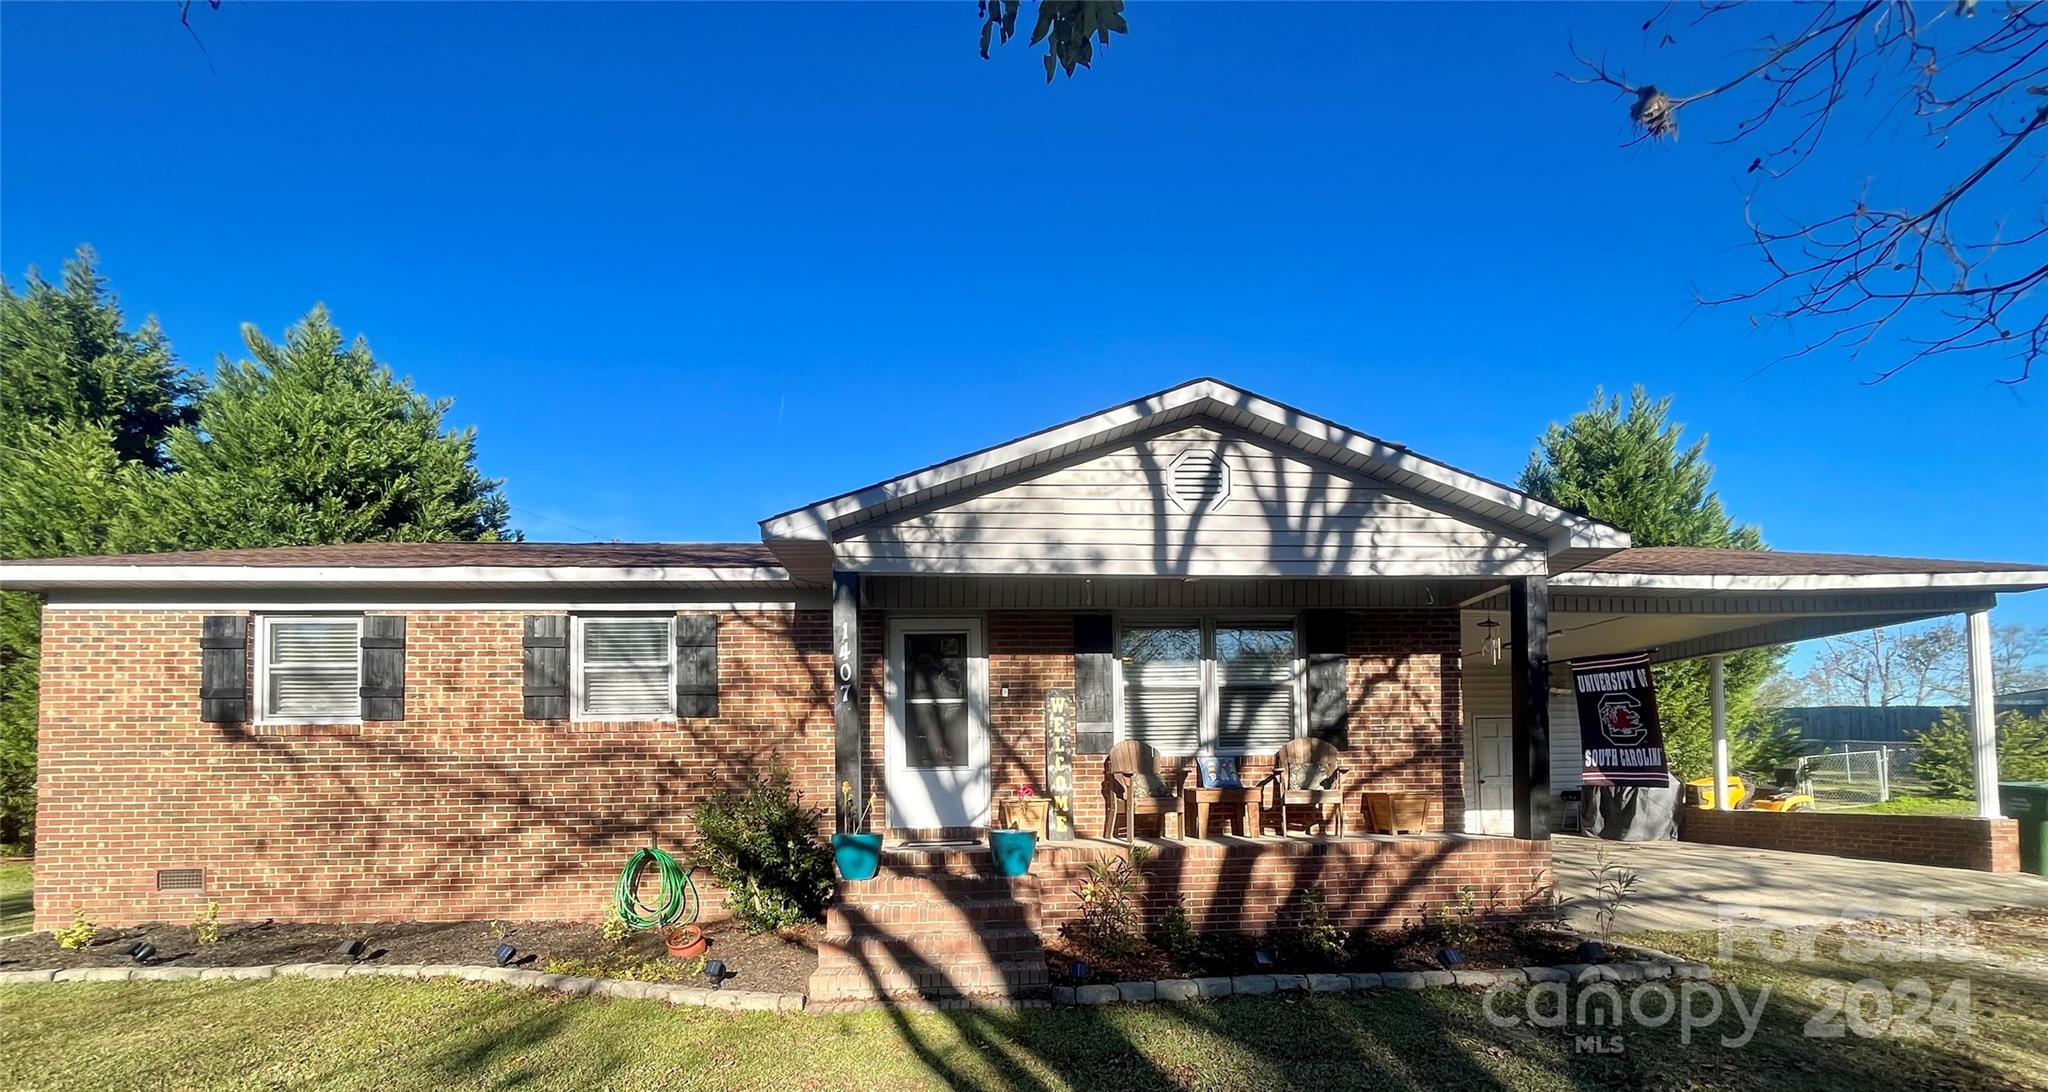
685,941
858,855
1013,849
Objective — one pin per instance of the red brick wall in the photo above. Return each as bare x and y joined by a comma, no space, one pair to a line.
1229,886
463,810
1987,845
1251,887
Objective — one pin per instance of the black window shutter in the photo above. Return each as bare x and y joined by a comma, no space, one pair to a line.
224,668
1094,684
545,653
1326,635
696,665
383,667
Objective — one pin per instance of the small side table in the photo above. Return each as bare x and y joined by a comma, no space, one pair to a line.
1237,804
1025,813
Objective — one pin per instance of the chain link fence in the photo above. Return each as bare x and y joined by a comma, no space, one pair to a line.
1853,775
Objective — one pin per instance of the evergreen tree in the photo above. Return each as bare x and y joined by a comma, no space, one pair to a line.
1625,466
66,356
85,406
314,441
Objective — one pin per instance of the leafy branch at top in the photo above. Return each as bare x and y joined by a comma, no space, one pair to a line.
1070,29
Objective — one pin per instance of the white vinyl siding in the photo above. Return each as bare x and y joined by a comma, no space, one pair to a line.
1210,686
309,669
624,668
1119,514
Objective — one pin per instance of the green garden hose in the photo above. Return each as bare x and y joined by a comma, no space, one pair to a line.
678,894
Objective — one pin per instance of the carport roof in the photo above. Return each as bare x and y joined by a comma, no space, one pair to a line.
1701,561
1682,601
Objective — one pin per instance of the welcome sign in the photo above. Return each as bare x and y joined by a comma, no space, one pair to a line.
1618,728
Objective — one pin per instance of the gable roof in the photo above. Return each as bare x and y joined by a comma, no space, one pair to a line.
1563,532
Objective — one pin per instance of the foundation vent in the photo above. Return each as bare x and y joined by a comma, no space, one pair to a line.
180,879
1198,479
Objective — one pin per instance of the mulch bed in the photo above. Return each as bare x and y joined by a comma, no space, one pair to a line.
772,962
1496,947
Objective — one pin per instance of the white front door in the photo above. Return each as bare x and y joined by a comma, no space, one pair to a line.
1490,773
935,749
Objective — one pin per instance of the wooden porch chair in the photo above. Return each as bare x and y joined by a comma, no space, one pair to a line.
1307,773
1132,786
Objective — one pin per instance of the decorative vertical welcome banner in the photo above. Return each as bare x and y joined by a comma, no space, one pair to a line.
1618,728
1059,763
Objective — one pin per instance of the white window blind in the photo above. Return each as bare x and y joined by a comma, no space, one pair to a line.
1162,675
312,669
1255,668
626,668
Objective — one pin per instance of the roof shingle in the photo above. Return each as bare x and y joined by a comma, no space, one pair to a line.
705,555
1703,561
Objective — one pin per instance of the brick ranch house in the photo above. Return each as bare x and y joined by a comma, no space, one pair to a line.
486,730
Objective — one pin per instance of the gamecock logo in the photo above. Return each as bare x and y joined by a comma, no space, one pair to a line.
1621,720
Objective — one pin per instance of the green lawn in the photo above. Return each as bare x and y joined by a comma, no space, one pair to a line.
16,908
1921,805
381,1033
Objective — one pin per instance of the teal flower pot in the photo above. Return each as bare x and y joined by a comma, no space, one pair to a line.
1012,850
857,855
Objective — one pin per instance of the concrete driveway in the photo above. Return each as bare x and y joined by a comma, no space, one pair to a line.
1683,886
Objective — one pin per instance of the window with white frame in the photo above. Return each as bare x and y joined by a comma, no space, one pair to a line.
625,667
309,669
1216,686
1256,674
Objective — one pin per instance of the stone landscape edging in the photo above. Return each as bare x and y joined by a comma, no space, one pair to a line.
1255,985
1161,990
518,977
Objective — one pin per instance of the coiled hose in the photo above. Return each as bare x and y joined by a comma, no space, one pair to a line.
678,894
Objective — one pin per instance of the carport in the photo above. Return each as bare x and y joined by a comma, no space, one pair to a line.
1684,603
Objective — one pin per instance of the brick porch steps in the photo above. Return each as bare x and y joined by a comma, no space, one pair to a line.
932,924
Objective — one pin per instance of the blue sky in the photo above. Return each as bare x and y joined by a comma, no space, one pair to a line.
688,266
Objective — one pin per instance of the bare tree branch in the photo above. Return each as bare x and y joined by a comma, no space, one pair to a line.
1927,278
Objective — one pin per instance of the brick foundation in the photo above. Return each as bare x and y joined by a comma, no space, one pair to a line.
939,924
1252,885
1986,845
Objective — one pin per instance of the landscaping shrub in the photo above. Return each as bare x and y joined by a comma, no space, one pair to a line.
761,844
81,932
1317,935
1176,936
1945,752
206,927
1110,913
1457,923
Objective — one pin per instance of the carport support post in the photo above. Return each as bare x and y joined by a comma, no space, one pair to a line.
1717,698
1529,703
1983,715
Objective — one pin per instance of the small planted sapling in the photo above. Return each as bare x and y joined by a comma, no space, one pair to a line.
80,933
